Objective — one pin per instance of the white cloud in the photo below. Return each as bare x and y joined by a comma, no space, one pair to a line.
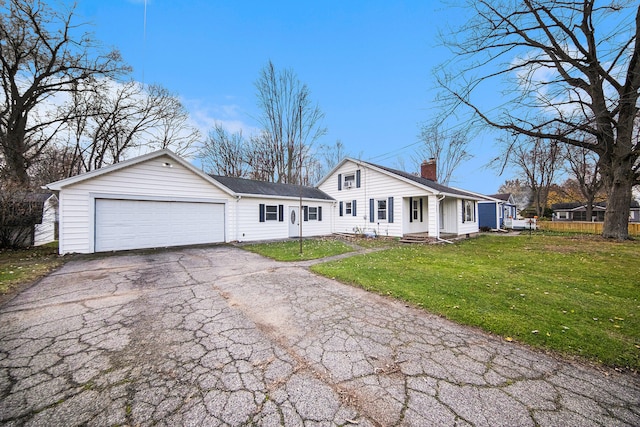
205,116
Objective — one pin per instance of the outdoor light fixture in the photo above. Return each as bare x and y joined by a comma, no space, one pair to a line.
167,165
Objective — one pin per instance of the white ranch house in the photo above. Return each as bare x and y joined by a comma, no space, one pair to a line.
161,200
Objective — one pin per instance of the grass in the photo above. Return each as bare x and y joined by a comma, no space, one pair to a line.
578,296
289,250
23,266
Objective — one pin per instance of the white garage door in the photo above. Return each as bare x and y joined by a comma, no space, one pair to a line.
137,224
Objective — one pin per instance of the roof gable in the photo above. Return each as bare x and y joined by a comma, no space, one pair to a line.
59,185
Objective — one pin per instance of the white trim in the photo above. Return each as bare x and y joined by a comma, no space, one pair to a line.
93,195
275,196
58,185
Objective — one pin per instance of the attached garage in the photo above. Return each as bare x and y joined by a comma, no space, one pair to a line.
160,200
153,201
122,224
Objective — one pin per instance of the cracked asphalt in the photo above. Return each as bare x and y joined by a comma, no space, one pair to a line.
219,336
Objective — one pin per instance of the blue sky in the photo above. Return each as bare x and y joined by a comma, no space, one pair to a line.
368,65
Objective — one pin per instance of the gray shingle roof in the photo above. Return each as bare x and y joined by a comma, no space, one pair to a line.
501,196
426,182
250,186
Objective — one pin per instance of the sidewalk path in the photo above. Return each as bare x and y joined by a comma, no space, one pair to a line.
220,336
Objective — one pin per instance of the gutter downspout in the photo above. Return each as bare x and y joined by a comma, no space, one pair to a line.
237,218
438,222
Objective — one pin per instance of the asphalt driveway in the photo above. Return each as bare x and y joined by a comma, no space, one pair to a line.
220,336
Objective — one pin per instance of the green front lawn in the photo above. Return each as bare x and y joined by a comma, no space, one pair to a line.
575,295
289,250
23,266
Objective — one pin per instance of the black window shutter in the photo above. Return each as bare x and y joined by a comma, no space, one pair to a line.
410,209
305,209
358,178
340,209
420,209
390,209
261,212
281,213
339,181
319,213
462,211
353,208
372,210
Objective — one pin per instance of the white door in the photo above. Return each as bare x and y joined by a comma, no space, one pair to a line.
294,221
137,224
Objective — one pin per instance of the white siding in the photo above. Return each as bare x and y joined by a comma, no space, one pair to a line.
148,179
415,226
251,229
45,233
468,227
374,185
452,209
379,185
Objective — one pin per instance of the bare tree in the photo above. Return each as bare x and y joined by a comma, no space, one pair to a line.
42,54
448,148
329,155
291,124
583,166
113,119
55,163
569,65
538,160
224,154
262,158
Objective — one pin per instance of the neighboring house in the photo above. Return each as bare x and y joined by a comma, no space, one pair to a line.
577,211
160,200
494,209
46,231
389,202
28,218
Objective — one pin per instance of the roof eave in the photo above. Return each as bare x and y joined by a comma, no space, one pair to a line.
59,185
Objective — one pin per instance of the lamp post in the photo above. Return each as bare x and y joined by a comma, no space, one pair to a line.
301,217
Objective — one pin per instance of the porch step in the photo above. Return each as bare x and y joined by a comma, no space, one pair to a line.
416,239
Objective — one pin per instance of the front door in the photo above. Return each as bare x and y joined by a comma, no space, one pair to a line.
294,221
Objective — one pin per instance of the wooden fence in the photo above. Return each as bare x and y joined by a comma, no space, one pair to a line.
582,227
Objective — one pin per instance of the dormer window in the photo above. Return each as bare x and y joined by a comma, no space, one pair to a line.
349,181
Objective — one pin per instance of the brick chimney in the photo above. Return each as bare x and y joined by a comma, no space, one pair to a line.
428,169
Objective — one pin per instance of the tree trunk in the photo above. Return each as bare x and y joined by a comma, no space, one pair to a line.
589,209
619,183
15,160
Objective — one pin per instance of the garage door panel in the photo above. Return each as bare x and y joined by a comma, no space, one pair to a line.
136,224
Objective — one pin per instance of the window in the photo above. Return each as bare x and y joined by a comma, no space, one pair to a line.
415,209
382,209
468,211
313,213
271,212
348,208
349,180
